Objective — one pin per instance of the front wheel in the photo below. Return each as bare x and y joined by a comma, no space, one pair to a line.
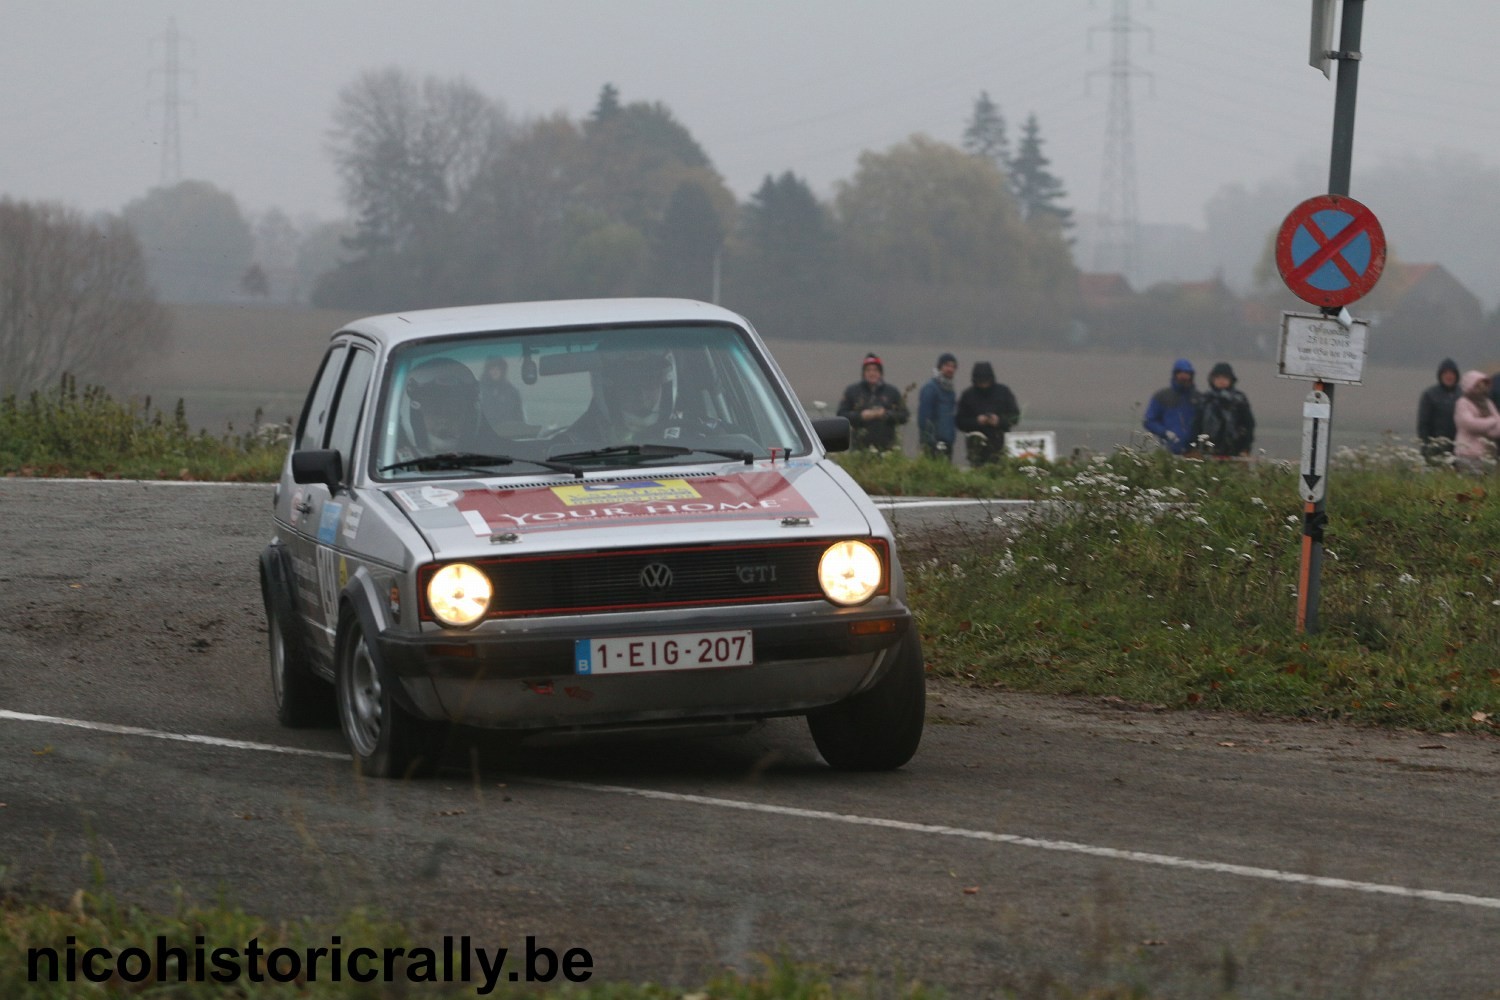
878,729
387,741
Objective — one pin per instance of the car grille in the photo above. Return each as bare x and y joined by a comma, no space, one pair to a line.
634,579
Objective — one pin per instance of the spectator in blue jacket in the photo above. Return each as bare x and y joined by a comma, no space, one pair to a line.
936,407
1171,412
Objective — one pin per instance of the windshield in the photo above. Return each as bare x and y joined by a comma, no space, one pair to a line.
596,396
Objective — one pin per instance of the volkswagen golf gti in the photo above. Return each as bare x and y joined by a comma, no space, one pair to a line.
578,517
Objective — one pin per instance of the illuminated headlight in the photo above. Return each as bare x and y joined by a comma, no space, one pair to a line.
459,594
849,572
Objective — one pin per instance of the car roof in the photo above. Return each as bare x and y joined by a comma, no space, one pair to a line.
395,328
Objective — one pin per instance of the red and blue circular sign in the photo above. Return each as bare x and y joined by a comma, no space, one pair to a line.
1330,250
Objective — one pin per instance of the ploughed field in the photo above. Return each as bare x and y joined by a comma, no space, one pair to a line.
227,361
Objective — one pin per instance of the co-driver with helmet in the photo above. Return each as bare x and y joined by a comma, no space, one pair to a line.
635,400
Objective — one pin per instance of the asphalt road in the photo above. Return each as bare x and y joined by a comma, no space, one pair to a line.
1031,840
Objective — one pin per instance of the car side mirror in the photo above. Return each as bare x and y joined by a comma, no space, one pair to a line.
318,466
833,432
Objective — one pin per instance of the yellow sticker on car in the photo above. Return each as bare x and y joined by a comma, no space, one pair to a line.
634,491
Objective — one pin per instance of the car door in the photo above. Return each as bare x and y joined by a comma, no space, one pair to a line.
321,554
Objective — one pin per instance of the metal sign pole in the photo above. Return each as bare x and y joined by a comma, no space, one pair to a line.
1315,514
1348,55
1317,420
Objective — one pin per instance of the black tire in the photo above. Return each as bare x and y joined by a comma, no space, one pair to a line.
385,739
303,699
878,729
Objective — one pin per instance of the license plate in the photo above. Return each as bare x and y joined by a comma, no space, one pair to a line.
639,654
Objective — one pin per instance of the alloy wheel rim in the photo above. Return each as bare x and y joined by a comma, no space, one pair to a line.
365,712
278,663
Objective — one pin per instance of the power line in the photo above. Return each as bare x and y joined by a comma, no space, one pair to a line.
171,125
1118,246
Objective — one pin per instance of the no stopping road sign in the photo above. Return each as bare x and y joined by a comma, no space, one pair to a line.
1330,250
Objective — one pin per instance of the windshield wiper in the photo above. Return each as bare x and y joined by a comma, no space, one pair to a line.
651,451
469,461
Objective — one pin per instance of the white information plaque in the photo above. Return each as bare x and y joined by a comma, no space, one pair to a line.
1321,349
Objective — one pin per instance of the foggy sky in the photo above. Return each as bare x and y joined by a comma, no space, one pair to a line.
1223,92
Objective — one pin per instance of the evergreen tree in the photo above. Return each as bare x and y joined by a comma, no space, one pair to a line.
782,262
687,241
985,134
786,234
1037,190
608,106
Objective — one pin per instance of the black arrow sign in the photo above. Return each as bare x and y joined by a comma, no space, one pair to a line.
1309,477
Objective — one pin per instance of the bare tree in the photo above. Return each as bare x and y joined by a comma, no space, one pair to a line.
74,297
407,149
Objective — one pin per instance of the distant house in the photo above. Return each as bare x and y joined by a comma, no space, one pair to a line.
1260,325
1419,312
1104,307
1100,293
1171,316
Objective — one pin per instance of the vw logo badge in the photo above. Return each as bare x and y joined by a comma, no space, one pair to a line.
656,576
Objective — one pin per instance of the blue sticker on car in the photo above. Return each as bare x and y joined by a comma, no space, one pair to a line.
328,524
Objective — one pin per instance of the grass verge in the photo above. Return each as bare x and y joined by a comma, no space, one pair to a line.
1174,583
68,432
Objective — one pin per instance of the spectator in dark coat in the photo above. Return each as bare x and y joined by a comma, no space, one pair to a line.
1435,427
1172,411
936,408
873,408
986,410
1225,426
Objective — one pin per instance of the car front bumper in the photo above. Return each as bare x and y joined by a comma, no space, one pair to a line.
513,678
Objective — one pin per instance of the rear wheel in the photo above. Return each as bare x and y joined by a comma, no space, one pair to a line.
387,741
878,729
303,699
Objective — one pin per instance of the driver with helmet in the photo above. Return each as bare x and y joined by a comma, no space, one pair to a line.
441,414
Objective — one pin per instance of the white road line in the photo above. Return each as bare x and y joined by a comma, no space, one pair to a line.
1067,846
851,819
213,741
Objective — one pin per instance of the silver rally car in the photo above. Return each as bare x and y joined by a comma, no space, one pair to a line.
579,516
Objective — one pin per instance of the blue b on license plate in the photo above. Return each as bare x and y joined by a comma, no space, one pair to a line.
639,654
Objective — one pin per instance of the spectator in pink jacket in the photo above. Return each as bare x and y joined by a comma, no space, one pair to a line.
1477,422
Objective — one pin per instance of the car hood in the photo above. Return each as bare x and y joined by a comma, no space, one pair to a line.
664,506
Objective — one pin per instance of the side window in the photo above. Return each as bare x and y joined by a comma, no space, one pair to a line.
315,413
349,406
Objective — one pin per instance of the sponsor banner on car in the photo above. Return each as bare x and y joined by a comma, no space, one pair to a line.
747,495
